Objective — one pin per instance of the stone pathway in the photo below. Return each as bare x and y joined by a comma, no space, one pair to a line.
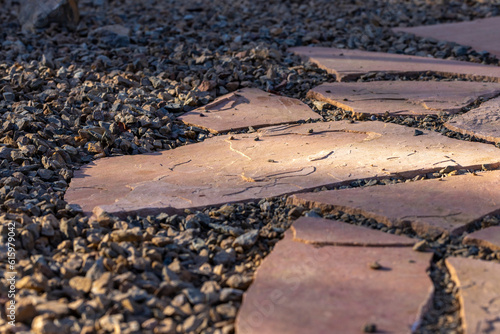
270,162
481,35
430,207
299,280
349,65
483,122
487,238
245,108
479,294
328,276
405,97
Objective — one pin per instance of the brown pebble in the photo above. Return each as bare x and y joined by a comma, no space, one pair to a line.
421,246
375,265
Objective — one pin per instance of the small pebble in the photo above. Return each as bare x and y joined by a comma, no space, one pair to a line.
370,328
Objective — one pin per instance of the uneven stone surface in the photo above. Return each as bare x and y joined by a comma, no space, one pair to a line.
320,231
480,34
404,97
431,207
274,161
479,293
482,122
350,64
248,107
488,237
302,288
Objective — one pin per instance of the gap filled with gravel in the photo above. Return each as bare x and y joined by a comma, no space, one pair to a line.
69,97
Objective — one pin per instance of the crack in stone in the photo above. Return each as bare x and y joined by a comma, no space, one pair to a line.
490,325
179,164
91,187
185,199
449,159
321,157
235,150
279,100
266,177
248,188
432,216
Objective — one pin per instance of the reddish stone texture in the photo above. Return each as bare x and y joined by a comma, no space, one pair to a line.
351,64
479,293
302,288
481,35
319,231
284,159
482,122
248,107
430,207
404,97
488,237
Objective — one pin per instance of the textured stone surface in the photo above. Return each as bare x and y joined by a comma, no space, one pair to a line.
284,159
248,107
350,64
302,288
488,237
479,293
482,122
481,35
332,232
431,207
36,14
404,97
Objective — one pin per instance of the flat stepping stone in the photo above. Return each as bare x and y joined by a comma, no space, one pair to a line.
404,97
319,231
481,35
479,293
248,107
302,288
488,237
482,122
430,207
283,159
348,65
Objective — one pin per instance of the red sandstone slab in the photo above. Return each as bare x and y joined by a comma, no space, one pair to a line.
479,293
431,207
351,64
488,237
481,35
285,159
318,231
302,288
248,107
482,122
404,97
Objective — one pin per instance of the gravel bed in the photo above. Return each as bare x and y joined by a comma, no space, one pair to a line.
68,97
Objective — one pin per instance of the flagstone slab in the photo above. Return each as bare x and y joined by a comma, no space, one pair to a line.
248,107
488,237
482,122
348,64
270,162
479,293
481,34
404,97
318,231
430,207
301,288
